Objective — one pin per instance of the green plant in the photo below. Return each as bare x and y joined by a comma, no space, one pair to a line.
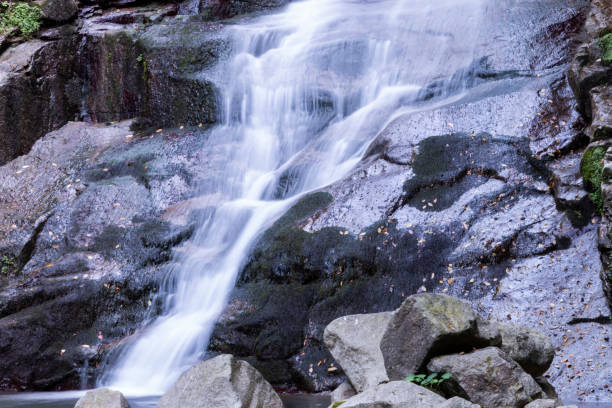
605,44
6,262
431,381
336,404
20,16
591,168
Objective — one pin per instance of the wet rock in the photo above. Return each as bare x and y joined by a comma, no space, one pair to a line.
102,398
343,392
601,106
82,233
444,325
531,348
355,343
395,394
58,11
542,403
457,402
33,77
488,377
587,70
221,382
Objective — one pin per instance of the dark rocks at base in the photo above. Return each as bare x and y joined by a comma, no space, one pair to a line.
488,377
221,382
427,325
530,348
395,394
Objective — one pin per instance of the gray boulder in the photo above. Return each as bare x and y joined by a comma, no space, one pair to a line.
427,325
529,347
58,11
221,382
354,341
458,402
488,377
542,403
343,392
102,398
395,394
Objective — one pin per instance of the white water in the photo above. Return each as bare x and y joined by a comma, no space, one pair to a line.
306,89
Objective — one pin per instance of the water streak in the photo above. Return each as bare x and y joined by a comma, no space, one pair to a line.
305,91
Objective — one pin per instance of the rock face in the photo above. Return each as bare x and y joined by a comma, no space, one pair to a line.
343,392
542,403
531,348
457,402
488,377
58,11
102,398
83,239
424,326
222,382
395,394
354,341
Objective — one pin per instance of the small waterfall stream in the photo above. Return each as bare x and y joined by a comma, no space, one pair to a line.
304,93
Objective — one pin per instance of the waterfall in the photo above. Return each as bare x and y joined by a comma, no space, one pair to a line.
304,92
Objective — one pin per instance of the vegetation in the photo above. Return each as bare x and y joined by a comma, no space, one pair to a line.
605,44
591,168
19,16
336,404
431,381
6,262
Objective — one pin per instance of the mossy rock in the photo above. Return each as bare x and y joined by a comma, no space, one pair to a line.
336,404
591,168
605,45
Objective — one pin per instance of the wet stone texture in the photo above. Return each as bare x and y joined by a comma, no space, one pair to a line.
481,198
83,244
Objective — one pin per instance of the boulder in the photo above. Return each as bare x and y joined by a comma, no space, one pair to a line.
102,398
601,100
458,402
343,392
488,377
58,11
542,403
221,382
395,394
427,325
529,347
354,341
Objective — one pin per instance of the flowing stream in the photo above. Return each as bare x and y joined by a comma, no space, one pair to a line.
304,93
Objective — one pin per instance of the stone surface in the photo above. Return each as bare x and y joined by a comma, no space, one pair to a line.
395,394
488,377
601,107
102,398
529,347
84,241
542,403
444,324
58,11
221,382
458,402
343,392
355,343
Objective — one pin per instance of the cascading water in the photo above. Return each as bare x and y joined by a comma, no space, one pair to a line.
304,93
